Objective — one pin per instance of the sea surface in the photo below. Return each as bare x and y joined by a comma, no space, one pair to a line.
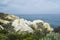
53,19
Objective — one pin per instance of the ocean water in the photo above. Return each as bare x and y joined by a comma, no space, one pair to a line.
53,19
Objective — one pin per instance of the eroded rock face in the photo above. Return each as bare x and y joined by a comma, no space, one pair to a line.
13,23
21,26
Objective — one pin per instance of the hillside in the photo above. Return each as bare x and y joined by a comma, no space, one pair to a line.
13,23
15,28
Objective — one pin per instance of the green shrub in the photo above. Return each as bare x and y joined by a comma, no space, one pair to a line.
14,37
3,37
52,36
3,31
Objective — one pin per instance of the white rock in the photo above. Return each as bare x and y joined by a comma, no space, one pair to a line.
37,24
47,25
19,24
4,21
38,21
1,27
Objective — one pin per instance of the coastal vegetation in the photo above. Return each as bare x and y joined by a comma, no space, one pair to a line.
13,28
4,35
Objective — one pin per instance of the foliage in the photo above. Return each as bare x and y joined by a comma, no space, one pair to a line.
37,35
3,37
25,36
14,36
3,31
52,36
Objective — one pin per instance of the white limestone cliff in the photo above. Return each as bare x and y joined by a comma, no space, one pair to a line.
22,25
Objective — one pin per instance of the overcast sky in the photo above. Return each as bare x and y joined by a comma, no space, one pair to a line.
30,6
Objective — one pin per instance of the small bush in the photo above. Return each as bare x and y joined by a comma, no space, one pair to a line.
52,36
3,31
14,36
3,37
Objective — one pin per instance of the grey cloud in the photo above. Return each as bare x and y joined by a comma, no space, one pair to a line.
26,6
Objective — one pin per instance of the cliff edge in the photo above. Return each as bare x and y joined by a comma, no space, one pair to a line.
15,24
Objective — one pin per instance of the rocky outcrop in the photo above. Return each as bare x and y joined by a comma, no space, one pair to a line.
57,29
15,24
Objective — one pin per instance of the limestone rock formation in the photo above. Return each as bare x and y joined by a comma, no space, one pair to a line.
15,24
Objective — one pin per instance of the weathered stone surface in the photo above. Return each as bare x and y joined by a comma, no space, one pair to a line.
13,23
